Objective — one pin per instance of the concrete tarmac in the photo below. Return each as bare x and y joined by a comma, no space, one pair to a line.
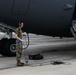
53,49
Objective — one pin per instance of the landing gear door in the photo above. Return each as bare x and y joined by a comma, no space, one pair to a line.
20,7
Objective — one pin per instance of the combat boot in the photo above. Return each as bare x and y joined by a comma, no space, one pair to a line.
19,63
22,63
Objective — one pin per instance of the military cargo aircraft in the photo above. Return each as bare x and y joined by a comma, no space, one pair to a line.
45,17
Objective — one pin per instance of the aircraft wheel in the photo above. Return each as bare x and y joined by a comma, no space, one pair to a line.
8,47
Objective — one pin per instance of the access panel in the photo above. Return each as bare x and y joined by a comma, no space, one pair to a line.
20,7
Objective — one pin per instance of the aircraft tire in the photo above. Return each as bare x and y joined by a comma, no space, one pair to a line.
1,44
8,47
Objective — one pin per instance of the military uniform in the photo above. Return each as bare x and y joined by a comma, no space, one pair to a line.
19,44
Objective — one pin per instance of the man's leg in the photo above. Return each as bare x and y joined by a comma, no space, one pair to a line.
19,53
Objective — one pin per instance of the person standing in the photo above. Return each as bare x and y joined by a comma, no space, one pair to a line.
18,35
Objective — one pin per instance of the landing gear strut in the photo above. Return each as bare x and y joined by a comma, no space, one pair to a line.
73,29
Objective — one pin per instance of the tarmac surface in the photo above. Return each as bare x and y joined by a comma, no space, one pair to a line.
52,49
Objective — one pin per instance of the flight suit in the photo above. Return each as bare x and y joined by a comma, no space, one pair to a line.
19,44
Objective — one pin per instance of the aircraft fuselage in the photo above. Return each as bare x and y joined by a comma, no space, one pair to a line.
46,17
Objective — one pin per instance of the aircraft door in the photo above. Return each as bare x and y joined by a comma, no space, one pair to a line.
20,7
